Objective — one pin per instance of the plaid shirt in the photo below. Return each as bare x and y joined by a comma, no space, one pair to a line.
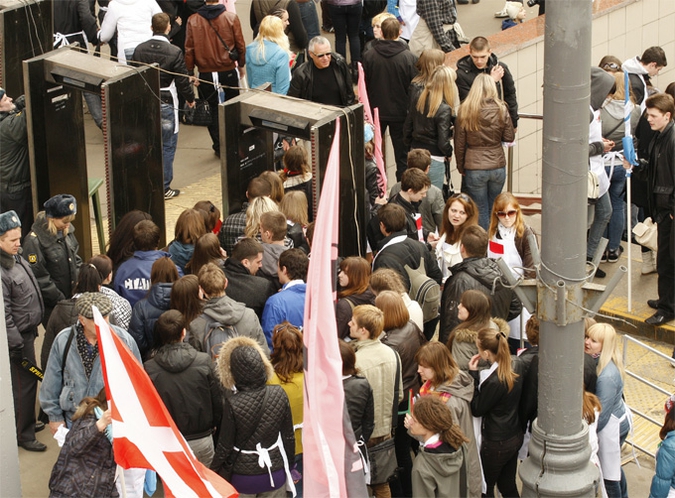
436,13
233,227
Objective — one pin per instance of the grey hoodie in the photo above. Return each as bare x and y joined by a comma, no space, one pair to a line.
227,311
437,472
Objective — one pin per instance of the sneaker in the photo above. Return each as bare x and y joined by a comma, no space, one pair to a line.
171,193
501,14
600,273
613,256
603,259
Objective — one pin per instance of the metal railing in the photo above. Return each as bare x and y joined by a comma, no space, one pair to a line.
626,340
509,159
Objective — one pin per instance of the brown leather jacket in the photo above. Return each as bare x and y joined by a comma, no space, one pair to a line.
204,49
482,149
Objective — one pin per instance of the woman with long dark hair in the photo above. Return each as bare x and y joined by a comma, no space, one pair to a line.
496,399
459,212
353,280
189,227
483,124
121,244
185,298
207,250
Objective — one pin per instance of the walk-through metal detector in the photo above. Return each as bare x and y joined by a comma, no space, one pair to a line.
132,135
247,125
25,32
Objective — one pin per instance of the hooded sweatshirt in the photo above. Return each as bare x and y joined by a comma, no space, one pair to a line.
389,68
601,85
639,77
227,311
132,19
437,472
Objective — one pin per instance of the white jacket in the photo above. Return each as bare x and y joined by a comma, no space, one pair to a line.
132,19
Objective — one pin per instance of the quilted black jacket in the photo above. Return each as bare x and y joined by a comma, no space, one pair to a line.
249,418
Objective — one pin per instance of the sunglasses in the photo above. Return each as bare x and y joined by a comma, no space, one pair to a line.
321,56
464,197
504,214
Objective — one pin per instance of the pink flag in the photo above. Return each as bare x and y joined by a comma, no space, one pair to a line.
332,467
379,160
144,434
363,96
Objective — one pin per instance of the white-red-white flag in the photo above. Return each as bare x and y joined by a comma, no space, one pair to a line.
144,434
332,467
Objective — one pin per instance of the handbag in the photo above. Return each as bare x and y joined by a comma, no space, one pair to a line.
645,234
382,461
448,187
200,115
233,53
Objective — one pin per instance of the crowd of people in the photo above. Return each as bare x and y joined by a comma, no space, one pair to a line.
440,358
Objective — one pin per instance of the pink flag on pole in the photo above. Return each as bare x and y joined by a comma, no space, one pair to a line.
379,159
144,434
363,95
332,467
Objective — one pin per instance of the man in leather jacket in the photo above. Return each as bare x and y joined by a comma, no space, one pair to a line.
325,79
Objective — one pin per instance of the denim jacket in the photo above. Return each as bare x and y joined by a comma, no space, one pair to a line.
63,388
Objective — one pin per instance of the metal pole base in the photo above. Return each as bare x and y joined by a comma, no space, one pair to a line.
559,466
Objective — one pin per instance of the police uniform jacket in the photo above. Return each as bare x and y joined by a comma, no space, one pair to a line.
54,261
23,302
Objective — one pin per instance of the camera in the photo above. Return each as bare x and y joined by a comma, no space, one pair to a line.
532,3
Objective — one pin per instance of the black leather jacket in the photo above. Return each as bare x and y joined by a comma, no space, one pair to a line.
359,399
433,134
660,174
303,78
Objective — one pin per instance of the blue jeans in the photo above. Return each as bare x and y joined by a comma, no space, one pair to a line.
310,18
603,212
346,21
169,142
484,186
437,173
617,222
93,101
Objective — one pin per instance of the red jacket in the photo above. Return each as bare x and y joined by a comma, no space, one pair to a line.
204,49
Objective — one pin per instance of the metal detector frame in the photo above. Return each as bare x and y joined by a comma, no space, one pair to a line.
266,113
132,135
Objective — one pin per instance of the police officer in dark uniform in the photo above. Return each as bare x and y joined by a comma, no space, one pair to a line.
23,313
51,250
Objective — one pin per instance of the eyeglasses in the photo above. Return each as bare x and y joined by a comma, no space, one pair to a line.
611,66
461,196
504,214
321,56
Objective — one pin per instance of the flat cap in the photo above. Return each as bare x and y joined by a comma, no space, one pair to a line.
89,299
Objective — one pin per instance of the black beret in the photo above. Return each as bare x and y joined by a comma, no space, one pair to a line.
60,206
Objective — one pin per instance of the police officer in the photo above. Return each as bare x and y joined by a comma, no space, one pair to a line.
23,313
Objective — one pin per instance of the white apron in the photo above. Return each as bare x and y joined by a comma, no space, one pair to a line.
265,461
609,449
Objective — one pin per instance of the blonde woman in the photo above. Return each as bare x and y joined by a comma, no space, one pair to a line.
483,123
429,122
51,250
614,421
267,57
294,206
256,208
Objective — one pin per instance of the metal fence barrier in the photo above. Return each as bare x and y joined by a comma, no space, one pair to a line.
626,341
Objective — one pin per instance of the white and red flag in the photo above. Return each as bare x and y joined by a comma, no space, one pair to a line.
332,466
144,434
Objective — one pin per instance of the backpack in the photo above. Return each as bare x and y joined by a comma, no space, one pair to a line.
216,335
424,290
